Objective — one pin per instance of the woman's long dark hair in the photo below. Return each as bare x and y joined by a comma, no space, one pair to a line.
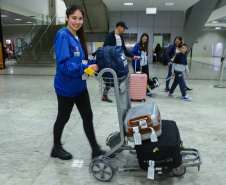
81,34
179,38
143,47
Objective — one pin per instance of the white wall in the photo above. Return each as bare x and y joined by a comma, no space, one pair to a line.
60,8
207,38
139,22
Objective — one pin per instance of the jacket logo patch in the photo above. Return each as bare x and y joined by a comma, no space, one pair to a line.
125,63
123,57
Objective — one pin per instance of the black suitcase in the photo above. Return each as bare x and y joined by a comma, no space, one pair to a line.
165,152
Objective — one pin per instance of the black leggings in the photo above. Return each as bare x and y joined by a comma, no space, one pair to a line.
65,106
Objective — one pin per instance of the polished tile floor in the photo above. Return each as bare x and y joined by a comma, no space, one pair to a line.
28,109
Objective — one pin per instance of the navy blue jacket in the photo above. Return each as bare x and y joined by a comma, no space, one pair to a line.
110,40
170,52
69,55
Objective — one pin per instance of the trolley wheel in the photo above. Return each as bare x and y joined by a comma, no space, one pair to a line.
102,170
143,100
179,171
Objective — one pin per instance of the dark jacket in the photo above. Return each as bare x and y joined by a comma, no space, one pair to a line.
110,40
157,49
170,52
180,63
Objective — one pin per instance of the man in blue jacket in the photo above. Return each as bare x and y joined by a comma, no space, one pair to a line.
115,38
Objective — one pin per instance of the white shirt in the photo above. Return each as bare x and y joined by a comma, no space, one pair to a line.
76,37
118,40
177,51
144,60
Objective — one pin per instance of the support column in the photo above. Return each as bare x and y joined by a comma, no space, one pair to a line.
52,10
2,62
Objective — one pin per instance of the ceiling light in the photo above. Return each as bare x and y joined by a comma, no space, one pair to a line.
217,28
169,4
128,4
214,22
17,19
3,15
29,22
151,10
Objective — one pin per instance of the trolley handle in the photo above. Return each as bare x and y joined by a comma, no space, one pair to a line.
100,74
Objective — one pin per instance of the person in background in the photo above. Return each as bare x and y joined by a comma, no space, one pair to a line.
70,81
141,50
5,54
115,38
178,67
170,54
157,50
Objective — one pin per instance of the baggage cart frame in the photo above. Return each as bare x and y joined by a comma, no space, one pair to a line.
102,167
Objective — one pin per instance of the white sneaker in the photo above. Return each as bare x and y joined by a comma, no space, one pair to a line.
172,95
186,98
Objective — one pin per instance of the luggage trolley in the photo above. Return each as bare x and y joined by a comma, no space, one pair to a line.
102,167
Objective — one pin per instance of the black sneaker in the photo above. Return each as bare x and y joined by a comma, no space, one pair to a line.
167,89
59,152
188,89
106,99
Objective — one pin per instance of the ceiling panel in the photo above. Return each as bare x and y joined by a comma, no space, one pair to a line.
141,5
8,18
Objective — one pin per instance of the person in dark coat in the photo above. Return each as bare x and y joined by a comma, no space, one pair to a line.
115,38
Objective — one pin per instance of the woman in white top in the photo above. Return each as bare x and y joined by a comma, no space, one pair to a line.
141,50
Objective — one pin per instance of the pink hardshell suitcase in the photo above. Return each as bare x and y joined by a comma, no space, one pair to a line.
138,85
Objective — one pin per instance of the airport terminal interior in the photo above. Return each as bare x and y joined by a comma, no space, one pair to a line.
28,102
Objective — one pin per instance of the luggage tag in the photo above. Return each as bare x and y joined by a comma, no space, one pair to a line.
153,136
151,170
137,136
143,124
85,75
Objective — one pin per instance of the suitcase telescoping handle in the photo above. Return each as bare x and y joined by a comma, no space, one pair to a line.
136,66
135,121
139,127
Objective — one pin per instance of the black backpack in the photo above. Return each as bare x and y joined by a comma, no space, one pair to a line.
153,83
162,58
